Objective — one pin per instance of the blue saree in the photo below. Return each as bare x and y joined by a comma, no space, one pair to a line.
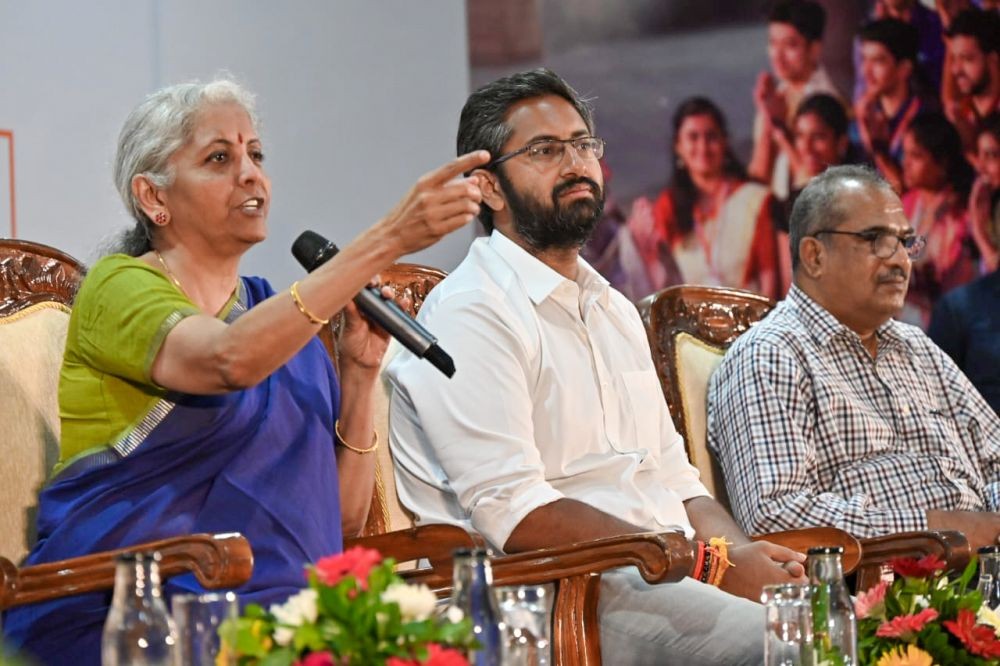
259,461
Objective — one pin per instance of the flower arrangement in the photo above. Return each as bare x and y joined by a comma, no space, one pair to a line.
356,610
922,618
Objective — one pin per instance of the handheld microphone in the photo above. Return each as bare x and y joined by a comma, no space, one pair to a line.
312,251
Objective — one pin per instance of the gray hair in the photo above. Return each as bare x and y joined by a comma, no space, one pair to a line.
819,206
483,126
154,130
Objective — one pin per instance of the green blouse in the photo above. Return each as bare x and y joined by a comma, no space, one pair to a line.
121,315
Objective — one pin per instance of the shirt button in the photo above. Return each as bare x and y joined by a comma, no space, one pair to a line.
906,410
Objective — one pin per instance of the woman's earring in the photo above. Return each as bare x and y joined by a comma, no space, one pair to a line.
161,218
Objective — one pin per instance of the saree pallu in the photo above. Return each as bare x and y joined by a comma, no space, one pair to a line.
258,461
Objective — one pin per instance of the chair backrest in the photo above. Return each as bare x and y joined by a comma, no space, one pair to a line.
387,514
37,286
689,328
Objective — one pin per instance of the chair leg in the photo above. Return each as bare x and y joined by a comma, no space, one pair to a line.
576,636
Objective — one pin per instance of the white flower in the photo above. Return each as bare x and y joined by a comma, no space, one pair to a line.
990,617
416,602
922,601
283,635
455,614
299,609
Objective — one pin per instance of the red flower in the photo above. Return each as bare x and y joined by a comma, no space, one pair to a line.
436,656
906,626
316,659
357,562
439,656
913,568
977,638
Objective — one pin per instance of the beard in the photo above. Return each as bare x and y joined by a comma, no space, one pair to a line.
555,226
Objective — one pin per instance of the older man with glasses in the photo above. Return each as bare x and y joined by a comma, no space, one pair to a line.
829,412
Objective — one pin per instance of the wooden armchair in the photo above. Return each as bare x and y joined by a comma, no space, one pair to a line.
574,568
690,328
218,561
37,286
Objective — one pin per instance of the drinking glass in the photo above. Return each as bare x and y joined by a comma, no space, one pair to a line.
527,613
198,618
788,637
989,576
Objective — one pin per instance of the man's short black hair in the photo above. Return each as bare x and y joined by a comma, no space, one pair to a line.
981,25
483,126
898,37
806,16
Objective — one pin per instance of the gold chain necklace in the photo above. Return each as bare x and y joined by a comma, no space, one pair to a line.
170,273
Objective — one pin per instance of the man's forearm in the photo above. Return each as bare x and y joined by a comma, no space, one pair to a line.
565,521
709,520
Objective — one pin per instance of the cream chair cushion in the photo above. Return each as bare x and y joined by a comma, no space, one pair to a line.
31,352
396,515
696,361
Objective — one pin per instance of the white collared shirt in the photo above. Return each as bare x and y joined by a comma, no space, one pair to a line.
555,395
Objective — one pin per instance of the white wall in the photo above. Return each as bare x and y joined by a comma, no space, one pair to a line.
357,97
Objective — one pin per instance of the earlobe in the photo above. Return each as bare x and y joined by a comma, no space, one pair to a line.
150,200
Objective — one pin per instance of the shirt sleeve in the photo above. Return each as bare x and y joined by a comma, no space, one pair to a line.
125,310
482,436
761,408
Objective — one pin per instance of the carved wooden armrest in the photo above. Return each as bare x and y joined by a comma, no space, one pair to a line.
217,561
660,558
575,569
951,546
802,540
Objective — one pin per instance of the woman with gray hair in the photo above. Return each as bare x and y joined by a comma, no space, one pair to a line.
196,400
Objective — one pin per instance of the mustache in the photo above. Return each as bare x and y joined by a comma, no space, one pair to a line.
892,275
595,189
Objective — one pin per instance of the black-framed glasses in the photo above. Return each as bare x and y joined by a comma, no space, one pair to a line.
549,152
884,243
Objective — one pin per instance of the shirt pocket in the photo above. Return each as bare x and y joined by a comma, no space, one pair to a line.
642,410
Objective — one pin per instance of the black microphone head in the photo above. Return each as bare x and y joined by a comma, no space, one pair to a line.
311,249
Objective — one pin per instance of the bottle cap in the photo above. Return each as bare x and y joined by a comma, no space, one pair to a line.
989,550
826,550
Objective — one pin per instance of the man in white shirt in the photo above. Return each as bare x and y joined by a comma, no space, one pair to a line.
554,429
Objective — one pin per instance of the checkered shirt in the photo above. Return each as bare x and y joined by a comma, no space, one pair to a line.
810,430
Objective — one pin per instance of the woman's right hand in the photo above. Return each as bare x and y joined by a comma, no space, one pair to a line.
440,202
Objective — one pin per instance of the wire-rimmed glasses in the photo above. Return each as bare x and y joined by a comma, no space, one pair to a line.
549,152
885,242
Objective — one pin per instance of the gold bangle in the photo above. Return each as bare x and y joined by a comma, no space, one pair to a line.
294,290
340,438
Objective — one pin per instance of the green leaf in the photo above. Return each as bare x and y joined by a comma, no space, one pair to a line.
280,657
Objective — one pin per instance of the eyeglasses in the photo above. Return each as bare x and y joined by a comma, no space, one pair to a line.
549,152
884,243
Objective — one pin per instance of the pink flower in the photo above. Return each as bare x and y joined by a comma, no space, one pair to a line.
871,601
316,659
357,562
906,626
913,568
